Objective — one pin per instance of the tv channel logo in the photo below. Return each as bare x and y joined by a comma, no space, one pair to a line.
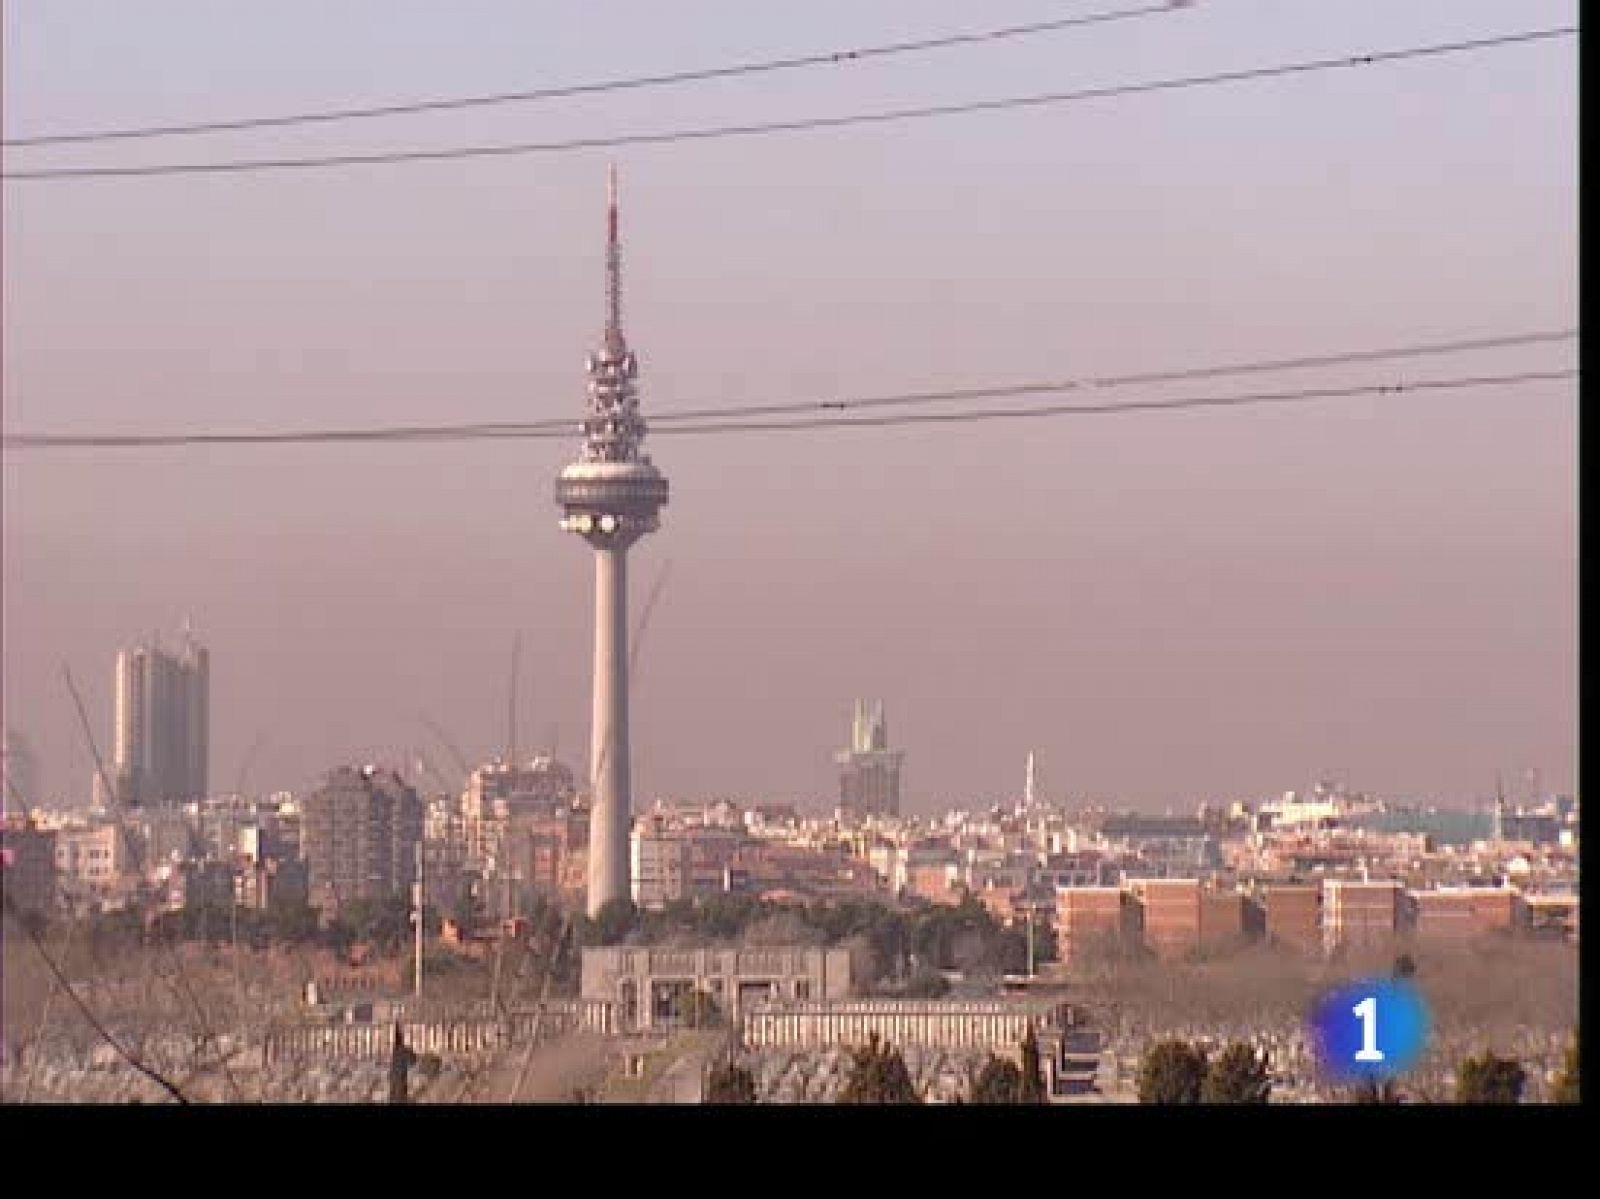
1371,1029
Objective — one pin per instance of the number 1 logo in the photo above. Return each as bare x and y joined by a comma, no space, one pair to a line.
1367,1012
1369,1028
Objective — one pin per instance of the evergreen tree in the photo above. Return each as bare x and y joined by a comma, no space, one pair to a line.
1566,1088
401,1058
613,922
999,1082
1490,1079
1172,1072
730,1083
1032,1080
878,1074
1239,1075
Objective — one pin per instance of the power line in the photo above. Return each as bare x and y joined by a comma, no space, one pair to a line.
1251,398
566,425
792,126
1347,357
671,79
541,433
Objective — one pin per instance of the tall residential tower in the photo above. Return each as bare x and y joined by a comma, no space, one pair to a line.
611,497
869,779
163,723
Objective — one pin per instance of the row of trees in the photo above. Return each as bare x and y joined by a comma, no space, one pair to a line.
878,1074
1176,1071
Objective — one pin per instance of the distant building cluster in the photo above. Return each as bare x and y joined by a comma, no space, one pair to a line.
1318,873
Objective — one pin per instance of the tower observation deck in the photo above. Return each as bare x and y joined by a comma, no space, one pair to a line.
611,496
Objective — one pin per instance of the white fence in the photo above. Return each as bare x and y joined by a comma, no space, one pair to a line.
447,1038
944,1024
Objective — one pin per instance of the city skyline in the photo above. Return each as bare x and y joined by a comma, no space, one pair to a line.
1164,608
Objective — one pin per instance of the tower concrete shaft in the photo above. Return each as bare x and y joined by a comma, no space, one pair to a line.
610,814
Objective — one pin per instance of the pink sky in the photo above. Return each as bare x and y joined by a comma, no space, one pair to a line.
1166,608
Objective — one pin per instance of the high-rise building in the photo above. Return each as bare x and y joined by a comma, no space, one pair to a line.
163,723
611,496
661,865
28,877
20,768
359,835
869,779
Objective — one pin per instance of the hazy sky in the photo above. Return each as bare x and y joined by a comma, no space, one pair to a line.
1166,607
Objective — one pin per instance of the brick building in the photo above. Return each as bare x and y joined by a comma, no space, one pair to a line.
1463,913
1094,918
1358,913
1293,915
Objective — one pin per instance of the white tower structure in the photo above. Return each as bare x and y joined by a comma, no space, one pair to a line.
611,496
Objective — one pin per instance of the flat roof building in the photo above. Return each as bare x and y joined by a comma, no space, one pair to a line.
1358,912
1094,919
1293,915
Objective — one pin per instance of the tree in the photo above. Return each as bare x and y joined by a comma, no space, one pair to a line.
1172,1072
1490,1079
1566,1087
1238,1075
878,1074
614,921
730,1083
694,1008
998,1082
401,1058
1374,1090
294,921
1032,1074
466,908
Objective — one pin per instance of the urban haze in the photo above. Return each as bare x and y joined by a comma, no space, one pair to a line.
1222,612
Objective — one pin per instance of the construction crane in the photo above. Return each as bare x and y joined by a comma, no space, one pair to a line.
444,739
511,704
639,631
245,762
644,618
425,763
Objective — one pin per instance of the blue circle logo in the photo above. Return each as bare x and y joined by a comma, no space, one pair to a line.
1370,1029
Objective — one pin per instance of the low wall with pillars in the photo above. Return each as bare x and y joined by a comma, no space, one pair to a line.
446,1038
977,1024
